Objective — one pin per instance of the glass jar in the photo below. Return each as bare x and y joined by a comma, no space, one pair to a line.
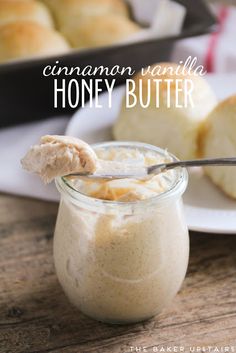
122,262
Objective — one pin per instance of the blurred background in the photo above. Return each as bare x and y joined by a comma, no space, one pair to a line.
77,33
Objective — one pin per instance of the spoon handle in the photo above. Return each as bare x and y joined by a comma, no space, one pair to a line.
193,163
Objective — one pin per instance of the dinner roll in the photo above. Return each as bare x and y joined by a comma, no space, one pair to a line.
17,10
24,39
218,139
71,11
95,31
173,128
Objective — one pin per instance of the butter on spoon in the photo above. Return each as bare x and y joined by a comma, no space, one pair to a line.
57,156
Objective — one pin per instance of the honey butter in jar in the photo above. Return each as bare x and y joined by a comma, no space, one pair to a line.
121,247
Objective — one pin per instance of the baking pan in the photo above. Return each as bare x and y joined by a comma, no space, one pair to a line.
26,95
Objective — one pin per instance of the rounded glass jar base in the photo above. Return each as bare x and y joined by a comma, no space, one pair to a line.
118,322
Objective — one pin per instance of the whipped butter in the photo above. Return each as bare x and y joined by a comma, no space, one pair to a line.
124,160
121,247
59,155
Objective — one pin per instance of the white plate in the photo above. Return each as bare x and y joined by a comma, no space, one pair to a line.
207,209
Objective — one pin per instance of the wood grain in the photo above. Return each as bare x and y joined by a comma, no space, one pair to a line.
35,316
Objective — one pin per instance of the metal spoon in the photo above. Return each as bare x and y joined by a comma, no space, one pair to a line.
157,169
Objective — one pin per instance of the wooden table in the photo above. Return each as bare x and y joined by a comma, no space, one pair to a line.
35,316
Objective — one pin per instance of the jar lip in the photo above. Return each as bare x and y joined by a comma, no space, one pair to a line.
177,189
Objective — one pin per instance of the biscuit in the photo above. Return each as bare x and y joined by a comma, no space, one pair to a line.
172,128
96,31
71,11
25,10
24,39
217,138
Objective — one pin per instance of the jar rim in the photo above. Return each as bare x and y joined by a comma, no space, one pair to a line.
176,189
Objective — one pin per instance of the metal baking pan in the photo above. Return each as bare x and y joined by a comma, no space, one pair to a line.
26,95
